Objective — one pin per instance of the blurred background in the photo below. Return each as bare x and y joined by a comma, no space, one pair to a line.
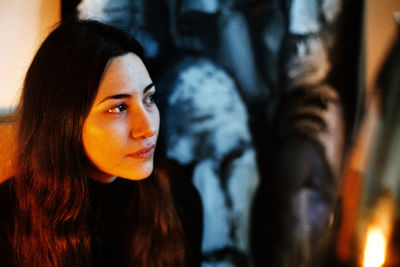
284,115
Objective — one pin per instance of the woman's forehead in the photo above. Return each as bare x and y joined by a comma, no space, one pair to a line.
124,74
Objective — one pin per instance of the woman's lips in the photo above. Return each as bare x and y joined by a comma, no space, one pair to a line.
143,153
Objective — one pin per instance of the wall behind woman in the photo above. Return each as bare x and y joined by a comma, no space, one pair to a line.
380,34
23,26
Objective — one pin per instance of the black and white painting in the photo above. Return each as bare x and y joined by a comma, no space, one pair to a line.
258,100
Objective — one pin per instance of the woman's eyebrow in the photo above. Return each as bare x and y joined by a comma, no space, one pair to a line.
148,87
119,96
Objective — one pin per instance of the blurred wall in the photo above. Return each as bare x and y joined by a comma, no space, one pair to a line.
23,26
380,32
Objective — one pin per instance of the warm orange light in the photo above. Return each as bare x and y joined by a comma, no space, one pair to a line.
378,232
375,247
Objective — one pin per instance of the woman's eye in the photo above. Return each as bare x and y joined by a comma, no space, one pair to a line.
150,99
117,109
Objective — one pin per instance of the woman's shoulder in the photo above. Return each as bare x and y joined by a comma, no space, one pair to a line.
6,197
6,194
7,204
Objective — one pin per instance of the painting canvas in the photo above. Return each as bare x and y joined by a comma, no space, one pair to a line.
259,102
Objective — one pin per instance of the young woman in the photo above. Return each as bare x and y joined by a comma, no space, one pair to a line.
87,116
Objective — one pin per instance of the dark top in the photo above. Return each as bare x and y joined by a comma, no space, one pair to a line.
7,204
106,198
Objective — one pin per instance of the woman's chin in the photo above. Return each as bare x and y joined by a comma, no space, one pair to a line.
133,174
137,174
138,177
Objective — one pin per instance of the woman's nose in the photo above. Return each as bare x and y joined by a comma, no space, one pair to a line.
144,124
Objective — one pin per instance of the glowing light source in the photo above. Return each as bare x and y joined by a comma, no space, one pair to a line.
378,232
375,247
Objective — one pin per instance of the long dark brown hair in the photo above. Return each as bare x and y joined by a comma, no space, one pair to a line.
53,223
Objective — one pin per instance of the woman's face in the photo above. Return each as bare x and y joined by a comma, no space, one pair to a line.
120,132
